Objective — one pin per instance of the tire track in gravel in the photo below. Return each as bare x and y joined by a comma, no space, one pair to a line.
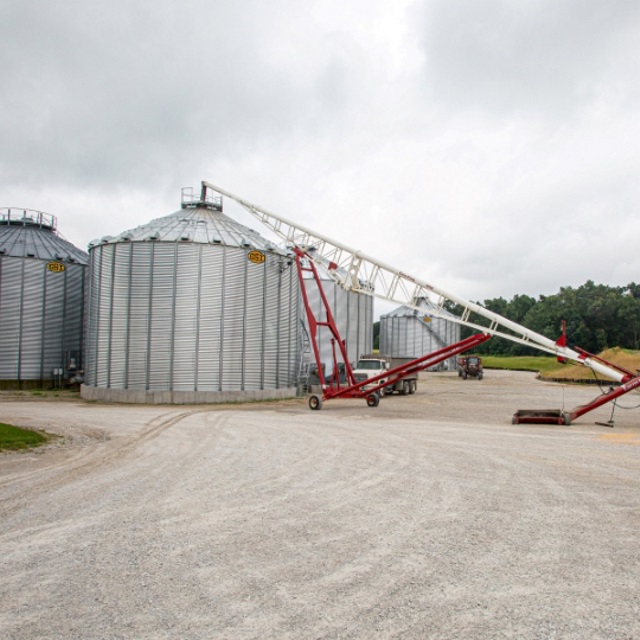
300,447
412,550
306,502
383,480
350,523
126,478
312,464
85,462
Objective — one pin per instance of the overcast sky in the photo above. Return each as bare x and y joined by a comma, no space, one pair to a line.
489,147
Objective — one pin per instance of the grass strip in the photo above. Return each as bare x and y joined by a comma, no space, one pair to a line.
550,369
14,438
520,363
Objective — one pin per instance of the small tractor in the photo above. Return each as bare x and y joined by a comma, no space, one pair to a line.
470,366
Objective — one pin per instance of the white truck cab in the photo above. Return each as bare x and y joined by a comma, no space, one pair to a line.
372,365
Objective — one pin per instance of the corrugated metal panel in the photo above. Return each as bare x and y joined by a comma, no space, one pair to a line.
119,300
274,346
54,318
254,324
289,330
354,329
353,314
74,320
10,314
233,340
199,225
138,299
340,311
102,336
167,295
93,317
41,315
192,316
32,321
187,316
211,317
404,332
21,238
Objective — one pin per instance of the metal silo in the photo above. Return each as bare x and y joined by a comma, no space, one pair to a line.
408,332
191,307
42,279
353,314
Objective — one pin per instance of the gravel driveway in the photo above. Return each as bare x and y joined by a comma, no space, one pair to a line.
428,517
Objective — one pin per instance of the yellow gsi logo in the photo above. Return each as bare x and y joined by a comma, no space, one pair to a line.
257,257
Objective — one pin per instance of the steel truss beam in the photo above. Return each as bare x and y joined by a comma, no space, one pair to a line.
356,271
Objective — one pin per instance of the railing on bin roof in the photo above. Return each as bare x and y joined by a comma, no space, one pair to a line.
203,199
27,218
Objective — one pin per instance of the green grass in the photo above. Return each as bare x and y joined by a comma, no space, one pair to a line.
550,369
14,438
521,363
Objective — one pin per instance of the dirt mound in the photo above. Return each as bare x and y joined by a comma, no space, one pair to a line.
625,358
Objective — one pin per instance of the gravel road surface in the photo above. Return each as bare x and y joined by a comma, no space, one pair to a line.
428,517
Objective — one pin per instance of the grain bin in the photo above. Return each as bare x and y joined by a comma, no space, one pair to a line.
191,307
409,332
353,314
42,281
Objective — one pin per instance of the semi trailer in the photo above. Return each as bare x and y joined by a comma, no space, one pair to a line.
372,365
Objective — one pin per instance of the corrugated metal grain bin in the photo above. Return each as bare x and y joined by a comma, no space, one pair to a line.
408,332
42,281
192,307
353,314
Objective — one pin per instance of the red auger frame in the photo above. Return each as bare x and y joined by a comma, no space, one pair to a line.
332,388
387,282
629,382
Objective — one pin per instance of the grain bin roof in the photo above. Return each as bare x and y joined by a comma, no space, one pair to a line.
199,224
32,234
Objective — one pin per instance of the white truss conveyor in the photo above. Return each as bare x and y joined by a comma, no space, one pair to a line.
356,271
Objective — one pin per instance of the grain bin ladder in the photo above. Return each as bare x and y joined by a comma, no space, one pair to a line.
356,271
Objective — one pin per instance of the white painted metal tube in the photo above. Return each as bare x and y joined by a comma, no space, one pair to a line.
399,279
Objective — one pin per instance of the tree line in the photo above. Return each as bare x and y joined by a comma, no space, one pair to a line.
597,317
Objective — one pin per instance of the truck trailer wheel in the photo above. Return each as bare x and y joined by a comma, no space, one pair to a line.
315,402
413,385
406,388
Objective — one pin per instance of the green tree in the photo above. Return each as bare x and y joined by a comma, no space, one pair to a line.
596,316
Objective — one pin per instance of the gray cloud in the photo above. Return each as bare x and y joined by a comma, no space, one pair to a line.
102,93
491,147
544,58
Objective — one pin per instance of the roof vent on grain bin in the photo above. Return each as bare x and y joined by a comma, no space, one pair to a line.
204,200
